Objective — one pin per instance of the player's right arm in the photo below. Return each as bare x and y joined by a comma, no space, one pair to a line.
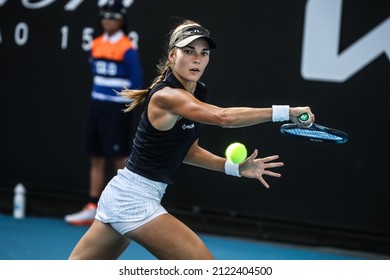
169,104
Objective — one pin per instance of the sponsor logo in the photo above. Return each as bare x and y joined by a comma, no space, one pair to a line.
188,126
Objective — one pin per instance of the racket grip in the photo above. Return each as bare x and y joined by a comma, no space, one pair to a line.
304,118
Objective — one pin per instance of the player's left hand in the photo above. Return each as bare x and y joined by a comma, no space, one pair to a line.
254,167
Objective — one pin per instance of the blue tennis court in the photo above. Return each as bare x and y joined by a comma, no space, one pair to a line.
46,238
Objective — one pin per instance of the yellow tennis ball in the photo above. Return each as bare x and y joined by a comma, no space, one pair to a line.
236,152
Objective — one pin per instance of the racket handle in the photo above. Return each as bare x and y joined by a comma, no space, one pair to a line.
304,118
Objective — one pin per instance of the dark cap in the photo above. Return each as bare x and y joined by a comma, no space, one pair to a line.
188,34
113,9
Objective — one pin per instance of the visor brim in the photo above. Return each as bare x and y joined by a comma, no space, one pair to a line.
190,39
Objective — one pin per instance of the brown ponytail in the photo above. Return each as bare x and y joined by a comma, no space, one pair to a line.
138,95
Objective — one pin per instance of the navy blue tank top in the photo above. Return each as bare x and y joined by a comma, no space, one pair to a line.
156,154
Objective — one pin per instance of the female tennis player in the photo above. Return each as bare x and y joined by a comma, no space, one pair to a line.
130,205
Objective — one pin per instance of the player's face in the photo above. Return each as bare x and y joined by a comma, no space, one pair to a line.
190,61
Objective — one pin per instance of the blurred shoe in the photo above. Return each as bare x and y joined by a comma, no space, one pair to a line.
83,218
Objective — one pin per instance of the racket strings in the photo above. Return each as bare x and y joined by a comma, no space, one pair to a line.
314,134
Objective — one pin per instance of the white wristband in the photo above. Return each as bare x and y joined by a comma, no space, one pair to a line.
232,168
280,113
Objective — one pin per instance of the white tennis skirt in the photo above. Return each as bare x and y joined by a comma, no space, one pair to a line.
130,198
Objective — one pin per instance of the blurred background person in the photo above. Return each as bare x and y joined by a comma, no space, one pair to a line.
115,64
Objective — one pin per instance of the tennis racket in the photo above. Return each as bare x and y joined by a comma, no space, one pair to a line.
314,132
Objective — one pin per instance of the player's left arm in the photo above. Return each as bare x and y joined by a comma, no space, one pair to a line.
252,167
198,156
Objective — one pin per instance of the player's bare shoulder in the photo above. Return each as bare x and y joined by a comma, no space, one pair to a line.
169,98
161,107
